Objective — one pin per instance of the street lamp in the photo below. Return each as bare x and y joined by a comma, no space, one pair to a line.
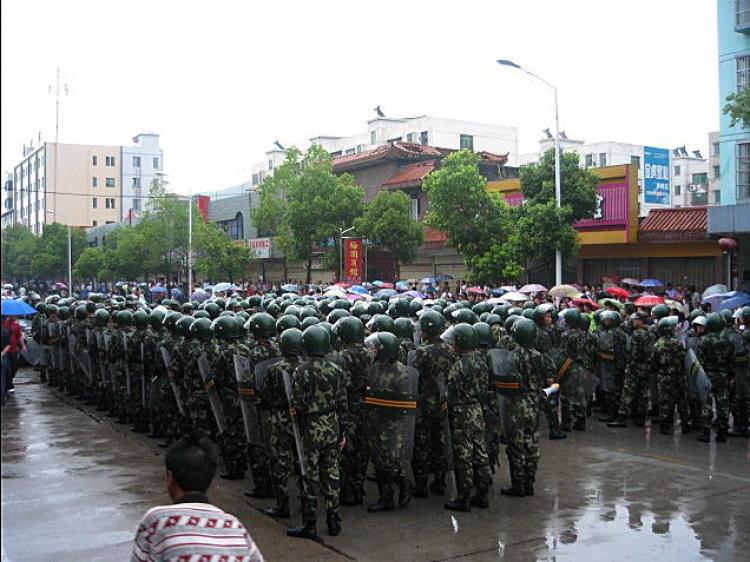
558,197
70,258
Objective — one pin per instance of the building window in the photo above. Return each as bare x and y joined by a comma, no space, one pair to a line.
156,162
676,170
360,148
373,137
94,182
137,204
109,160
349,151
741,13
677,189
743,72
256,179
93,160
717,172
136,161
110,182
415,208
466,141
95,223
715,149
701,178
94,203
717,197
270,165
743,170
589,160
109,202
424,138
234,228
602,158
136,183
410,137
636,161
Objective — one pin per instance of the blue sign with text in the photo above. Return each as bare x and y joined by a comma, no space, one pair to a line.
655,175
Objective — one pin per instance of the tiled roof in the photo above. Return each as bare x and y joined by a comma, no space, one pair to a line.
411,175
434,239
393,151
684,223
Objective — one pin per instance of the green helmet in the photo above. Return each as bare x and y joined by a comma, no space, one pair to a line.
501,310
493,319
374,308
80,312
171,319
484,334
227,313
510,321
273,309
187,308
584,322
293,309
290,342
90,307
714,322
666,325
528,313
609,316
328,328
432,323
514,310
524,332
101,317
336,314
464,316
746,313
700,320
727,315
240,322
660,311
261,325
316,340
213,310
401,308
343,304
52,309
201,328
403,328
287,322
540,312
124,318
481,307
183,325
221,303
349,330
156,319
41,308
308,312
381,323
695,313
414,307
384,344
464,337
140,319
309,321
63,313
225,327
201,314
529,305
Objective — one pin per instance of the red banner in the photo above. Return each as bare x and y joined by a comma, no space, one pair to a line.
353,259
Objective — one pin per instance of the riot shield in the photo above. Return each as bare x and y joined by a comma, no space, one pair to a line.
245,376
209,384
72,346
126,363
302,458
506,380
176,391
33,353
698,381
411,357
107,341
261,373
143,375
606,363
391,403
89,338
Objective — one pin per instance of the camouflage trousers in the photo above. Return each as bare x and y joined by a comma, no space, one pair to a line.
635,391
138,402
257,455
120,399
492,429
283,455
356,455
572,399
321,437
470,462
523,433
233,441
739,393
200,417
429,444
385,435
672,389
719,395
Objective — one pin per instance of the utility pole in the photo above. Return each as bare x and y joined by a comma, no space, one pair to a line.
57,140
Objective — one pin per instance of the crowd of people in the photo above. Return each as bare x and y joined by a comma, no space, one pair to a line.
426,390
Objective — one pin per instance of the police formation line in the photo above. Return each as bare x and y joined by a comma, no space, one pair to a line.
426,392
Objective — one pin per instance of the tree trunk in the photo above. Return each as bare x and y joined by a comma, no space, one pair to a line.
309,270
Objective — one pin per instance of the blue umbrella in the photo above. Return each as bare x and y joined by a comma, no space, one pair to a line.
13,307
739,299
651,283
358,290
385,293
158,289
377,283
427,281
443,277
290,288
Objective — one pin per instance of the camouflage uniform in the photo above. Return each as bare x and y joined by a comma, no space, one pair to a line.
716,355
160,398
117,359
185,371
544,346
466,386
195,395
491,415
137,410
233,441
319,391
573,346
669,361
168,413
38,332
51,339
433,361
739,383
635,388
88,344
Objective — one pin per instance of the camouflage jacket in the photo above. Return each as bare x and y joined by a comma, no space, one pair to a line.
319,388
467,380
716,354
641,347
668,357
433,361
273,394
357,359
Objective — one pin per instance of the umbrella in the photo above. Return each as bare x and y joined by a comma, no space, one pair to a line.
354,297
443,277
629,281
199,295
714,290
585,302
358,290
514,296
384,285
564,291
651,283
611,302
427,281
12,307
290,288
402,286
619,292
532,288
498,292
378,283
385,293
176,292
475,291
495,300
223,287
336,292
343,285
158,289
648,300
740,299
415,294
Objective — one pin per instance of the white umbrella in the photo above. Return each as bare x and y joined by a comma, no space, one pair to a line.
515,296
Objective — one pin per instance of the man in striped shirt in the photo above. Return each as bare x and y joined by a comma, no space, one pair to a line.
192,529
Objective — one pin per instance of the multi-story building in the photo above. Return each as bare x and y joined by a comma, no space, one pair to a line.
425,130
714,169
81,185
732,218
689,178
7,214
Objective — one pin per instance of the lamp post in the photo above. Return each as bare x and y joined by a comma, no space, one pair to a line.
558,196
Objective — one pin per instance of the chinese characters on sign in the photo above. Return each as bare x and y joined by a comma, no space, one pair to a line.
260,247
353,260
655,175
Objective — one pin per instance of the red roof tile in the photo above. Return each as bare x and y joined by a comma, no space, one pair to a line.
411,175
393,151
684,223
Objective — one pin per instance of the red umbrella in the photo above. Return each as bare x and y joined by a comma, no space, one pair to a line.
475,291
386,286
648,300
343,285
585,302
619,292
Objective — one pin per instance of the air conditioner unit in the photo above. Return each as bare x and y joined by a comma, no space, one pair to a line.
692,188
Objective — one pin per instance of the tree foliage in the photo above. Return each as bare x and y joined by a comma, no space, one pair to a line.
218,257
737,106
89,264
387,221
18,246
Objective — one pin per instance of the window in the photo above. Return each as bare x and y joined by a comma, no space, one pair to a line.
110,182
256,179
635,161
156,162
270,165
715,149
717,197
415,208
360,148
136,183
94,223
676,170
677,189
423,138
717,172
700,178
373,137
234,228
109,160
410,137
349,151
137,204
94,203
743,170
93,160
109,202
589,160
741,13
109,222
94,182
602,158
466,141
136,161
743,72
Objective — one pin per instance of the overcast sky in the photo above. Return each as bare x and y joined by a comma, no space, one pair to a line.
220,81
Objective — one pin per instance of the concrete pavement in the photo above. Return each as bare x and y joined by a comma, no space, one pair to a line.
74,486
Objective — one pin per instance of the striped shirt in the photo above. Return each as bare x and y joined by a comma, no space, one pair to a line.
192,531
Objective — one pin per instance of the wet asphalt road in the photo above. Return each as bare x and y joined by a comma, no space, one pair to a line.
74,486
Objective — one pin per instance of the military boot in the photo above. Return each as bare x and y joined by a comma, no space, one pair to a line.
554,426
580,424
437,487
517,487
462,500
333,521
420,489
280,510
404,492
738,431
479,499
233,471
566,421
721,435
308,531
619,422
610,410
385,501
705,437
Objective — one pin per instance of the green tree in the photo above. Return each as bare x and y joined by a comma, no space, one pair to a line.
89,264
219,257
18,246
50,259
387,220
737,106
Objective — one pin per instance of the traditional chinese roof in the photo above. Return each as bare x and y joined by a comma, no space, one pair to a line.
684,223
391,151
410,175
434,239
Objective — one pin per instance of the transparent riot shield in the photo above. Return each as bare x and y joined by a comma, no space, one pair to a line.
411,357
245,376
126,363
606,363
209,383
299,444
505,378
143,374
176,391
33,353
72,346
698,381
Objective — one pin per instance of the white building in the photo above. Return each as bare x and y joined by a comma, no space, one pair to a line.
424,129
7,214
140,164
714,168
689,178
